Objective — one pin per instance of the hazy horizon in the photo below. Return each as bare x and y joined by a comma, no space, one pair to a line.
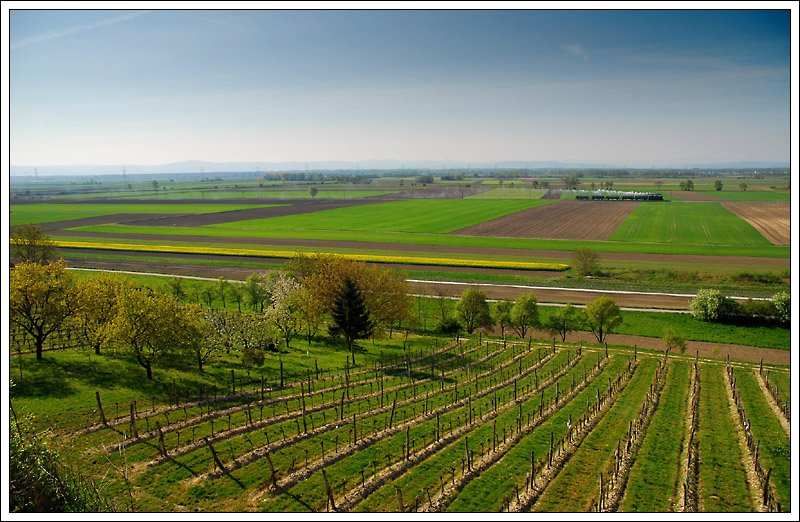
644,87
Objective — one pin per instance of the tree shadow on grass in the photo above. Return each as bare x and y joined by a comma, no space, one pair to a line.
41,379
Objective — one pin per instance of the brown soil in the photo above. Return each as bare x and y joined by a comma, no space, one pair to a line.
591,220
771,219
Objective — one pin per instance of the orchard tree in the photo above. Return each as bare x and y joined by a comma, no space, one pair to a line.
502,315
717,185
313,191
95,305
473,310
673,340
284,309
223,287
256,292
175,285
40,298
310,313
350,316
602,316
30,244
386,295
564,320
148,326
201,340
525,314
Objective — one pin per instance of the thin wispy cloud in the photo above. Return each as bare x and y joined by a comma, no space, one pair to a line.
70,31
577,50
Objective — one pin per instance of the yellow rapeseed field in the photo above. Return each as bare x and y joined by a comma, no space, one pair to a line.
372,258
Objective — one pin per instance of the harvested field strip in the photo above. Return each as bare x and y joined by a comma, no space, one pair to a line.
687,223
433,261
772,220
773,442
654,483
575,487
423,483
722,482
592,220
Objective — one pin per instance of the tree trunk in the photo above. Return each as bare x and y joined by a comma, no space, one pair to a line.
149,371
39,346
352,350
97,348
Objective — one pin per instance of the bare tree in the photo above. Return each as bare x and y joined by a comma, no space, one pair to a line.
31,244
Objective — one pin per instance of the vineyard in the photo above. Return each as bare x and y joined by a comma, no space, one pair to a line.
468,425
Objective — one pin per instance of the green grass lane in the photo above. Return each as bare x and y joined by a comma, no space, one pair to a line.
775,446
722,483
579,481
657,471
54,212
687,223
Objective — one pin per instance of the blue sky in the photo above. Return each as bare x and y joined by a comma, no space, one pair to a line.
625,87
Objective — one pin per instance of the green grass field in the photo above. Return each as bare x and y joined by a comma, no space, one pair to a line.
748,195
53,212
687,223
411,216
518,192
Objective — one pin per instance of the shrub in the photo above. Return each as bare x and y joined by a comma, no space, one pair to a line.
41,483
586,261
781,302
711,305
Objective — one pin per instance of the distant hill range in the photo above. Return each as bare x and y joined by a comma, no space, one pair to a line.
208,167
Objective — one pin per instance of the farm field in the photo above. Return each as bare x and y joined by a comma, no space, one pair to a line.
572,220
687,223
54,212
205,442
412,216
520,192
772,220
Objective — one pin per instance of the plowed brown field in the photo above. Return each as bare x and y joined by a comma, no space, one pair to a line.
771,219
562,220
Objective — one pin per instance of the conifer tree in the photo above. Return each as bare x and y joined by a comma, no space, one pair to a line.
350,316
